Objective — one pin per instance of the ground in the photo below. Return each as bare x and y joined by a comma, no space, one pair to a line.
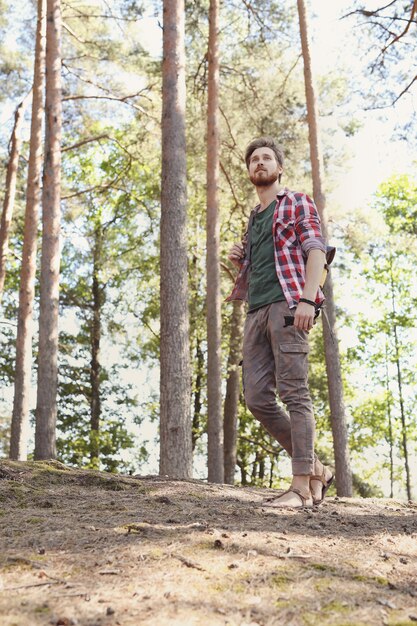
94,549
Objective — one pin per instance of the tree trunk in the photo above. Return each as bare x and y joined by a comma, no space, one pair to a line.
331,345
23,370
10,190
390,433
175,376
231,403
214,394
95,371
402,413
199,360
399,383
46,408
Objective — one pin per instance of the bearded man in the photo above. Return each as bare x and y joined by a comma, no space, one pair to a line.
280,262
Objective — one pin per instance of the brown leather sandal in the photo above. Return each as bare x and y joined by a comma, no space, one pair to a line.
326,484
271,502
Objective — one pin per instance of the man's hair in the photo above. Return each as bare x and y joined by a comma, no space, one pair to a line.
264,142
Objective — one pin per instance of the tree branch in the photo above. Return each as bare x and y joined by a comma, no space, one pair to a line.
82,143
274,452
228,272
368,13
123,99
410,21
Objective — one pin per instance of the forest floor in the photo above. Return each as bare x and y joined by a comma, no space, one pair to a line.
94,549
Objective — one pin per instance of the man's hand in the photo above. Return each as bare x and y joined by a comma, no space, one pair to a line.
237,254
304,316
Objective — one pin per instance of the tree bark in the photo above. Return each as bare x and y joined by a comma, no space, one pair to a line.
397,353
175,375
23,370
46,408
10,190
390,431
199,361
214,394
231,403
331,345
95,370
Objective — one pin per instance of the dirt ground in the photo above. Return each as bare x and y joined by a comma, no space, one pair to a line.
93,549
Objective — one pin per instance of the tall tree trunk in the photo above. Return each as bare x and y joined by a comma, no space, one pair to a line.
46,408
214,394
175,377
10,191
95,370
23,370
390,433
399,383
199,361
231,403
331,345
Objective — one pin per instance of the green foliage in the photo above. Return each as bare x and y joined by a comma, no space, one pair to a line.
386,345
397,198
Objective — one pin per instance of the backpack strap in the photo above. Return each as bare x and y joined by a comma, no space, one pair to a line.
330,252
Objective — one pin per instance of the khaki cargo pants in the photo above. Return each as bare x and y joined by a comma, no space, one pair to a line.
276,359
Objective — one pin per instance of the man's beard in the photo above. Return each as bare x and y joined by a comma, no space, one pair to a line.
264,180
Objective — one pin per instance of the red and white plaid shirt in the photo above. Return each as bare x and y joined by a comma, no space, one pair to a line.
295,230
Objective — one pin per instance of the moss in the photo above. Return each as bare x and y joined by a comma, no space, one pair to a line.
320,617
238,587
323,567
44,608
336,607
323,584
370,579
197,495
283,604
281,580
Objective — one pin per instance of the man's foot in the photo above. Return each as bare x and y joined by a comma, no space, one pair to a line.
319,484
291,499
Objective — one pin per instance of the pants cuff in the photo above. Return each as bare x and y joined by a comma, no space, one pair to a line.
302,467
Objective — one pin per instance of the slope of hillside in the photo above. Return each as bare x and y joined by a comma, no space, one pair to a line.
93,549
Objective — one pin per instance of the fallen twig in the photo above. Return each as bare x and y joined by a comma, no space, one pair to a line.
187,562
53,582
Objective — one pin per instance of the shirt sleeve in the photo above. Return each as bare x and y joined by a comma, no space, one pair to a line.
307,225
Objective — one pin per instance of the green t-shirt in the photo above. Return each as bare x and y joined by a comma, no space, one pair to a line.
264,286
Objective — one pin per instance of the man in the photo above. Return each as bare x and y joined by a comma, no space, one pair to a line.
280,262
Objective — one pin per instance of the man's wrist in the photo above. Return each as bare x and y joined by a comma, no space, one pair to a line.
307,301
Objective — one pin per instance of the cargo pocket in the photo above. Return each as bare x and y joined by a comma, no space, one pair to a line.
293,362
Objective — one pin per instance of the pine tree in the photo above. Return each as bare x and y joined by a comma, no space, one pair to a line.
46,407
175,392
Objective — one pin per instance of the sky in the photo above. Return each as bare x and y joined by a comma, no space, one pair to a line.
374,153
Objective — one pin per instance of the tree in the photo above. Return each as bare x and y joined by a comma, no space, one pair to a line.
231,402
46,408
392,26
175,424
23,369
334,376
214,393
10,190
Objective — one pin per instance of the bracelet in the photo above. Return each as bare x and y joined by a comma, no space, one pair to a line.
307,301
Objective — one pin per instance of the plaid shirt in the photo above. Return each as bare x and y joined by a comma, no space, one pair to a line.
295,230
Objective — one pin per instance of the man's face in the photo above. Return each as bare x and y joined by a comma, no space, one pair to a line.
263,167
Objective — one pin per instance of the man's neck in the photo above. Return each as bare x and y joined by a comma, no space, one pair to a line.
267,195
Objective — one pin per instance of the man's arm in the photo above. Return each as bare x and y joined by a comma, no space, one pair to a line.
304,314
